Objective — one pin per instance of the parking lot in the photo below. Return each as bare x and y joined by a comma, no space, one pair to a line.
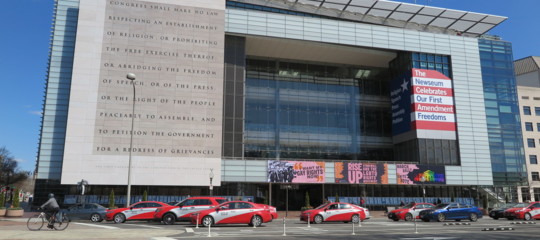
375,228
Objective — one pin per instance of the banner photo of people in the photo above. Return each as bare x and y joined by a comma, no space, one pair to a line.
413,174
295,172
361,173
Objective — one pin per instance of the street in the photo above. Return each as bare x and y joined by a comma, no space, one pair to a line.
376,228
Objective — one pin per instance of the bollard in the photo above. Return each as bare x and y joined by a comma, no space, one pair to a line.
284,234
415,228
255,225
209,226
359,221
353,228
197,221
308,220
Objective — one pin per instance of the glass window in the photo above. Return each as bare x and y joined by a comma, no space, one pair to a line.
530,142
535,176
538,127
153,204
140,205
528,126
537,111
526,110
533,159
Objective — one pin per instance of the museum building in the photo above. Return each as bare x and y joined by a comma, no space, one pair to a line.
277,100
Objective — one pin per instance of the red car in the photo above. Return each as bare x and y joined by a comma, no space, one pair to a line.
335,212
182,210
525,211
138,211
409,211
235,212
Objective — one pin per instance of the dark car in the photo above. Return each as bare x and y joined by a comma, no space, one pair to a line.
451,211
87,211
499,212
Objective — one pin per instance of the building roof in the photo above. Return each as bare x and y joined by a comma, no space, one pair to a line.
396,14
527,65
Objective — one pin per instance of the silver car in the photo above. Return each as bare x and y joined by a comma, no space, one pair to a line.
87,211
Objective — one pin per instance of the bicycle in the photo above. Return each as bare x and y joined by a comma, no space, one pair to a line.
36,222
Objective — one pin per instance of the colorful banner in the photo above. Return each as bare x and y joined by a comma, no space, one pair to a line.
296,172
361,173
413,174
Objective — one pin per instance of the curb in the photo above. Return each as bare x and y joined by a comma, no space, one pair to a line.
448,224
499,229
523,223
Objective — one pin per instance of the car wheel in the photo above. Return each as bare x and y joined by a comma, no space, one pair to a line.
355,218
473,217
168,218
408,217
207,221
441,217
119,218
318,219
95,217
256,221
528,217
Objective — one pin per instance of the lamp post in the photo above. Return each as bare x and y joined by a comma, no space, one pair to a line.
211,176
131,77
422,180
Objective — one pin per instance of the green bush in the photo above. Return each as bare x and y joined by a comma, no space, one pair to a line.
15,203
307,203
145,196
111,200
337,198
2,201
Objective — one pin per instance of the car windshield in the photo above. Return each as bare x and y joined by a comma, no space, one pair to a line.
521,205
410,205
322,206
441,206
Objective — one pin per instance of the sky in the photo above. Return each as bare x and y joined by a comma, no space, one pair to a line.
24,49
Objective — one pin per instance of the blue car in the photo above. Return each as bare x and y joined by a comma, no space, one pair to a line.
88,211
451,211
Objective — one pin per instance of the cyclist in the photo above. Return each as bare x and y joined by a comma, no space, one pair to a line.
50,207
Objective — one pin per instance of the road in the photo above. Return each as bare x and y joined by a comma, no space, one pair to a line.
377,228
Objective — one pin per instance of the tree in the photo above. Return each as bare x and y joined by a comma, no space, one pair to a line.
10,173
111,200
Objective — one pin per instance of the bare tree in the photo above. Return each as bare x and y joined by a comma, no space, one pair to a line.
10,174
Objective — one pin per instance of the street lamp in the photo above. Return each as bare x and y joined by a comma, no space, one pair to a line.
130,76
211,176
422,180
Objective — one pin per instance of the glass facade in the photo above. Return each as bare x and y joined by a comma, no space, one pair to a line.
502,113
300,110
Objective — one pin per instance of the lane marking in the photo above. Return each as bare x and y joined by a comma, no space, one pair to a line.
161,238
147,226
96,225
189,230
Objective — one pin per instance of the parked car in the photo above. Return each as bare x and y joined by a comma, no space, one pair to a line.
335,212
409,212
182,210
233,212
138,211
87,211
526,211
497,213
451,211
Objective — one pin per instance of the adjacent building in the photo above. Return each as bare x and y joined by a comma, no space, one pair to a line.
528,81
380,100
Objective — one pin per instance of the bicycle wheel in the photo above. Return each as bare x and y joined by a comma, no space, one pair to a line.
35,223
62,223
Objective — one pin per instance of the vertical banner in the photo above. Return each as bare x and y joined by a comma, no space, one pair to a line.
296,172
413,174
400,97
432,101
361,173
